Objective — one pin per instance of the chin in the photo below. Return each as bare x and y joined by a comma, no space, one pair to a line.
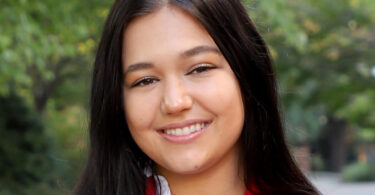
188,167
194,169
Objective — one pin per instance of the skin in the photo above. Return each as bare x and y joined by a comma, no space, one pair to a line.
168,81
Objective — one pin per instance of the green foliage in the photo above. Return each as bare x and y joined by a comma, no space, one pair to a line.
323,53
46,52
317,162
359,172
43,43
302,127
69,129
24,148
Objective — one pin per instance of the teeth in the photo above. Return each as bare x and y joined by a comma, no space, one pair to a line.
186,130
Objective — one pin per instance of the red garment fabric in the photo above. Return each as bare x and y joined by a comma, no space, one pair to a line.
150,187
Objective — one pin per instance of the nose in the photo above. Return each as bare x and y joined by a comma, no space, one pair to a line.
176,99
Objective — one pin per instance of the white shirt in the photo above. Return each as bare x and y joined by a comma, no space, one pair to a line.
163,183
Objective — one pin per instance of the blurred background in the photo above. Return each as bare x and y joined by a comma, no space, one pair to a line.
324,54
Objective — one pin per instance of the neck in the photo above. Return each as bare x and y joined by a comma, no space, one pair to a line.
224,177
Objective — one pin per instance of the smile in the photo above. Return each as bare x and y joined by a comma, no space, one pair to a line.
185,130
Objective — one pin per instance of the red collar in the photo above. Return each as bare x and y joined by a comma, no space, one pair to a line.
150,187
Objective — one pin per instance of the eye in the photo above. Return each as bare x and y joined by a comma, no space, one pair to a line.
201,68
144,81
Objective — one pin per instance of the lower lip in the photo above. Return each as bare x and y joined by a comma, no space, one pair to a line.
181,139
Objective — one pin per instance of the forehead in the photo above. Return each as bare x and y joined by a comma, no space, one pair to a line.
168,31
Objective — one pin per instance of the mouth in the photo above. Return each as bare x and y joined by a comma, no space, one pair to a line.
184,132
189,129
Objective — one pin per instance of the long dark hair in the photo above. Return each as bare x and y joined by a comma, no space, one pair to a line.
116,164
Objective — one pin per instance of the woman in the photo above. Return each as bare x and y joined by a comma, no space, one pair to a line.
184,101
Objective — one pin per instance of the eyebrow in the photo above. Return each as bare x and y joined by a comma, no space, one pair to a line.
188,53
200,49
138,66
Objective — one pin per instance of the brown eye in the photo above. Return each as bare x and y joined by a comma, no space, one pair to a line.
201,68
144,82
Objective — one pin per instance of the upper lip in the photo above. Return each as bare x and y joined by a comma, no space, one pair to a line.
182,124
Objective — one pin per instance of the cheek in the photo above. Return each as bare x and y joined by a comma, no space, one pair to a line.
222,96
140,110
231,110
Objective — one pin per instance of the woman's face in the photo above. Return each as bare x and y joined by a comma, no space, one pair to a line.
182,101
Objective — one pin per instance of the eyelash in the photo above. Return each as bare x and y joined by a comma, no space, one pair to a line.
196,70
144,81
201,68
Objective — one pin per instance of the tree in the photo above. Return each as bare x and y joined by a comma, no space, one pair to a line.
24,148
46,52
44,43
323,53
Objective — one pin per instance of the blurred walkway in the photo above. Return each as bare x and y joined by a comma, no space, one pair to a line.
330,184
